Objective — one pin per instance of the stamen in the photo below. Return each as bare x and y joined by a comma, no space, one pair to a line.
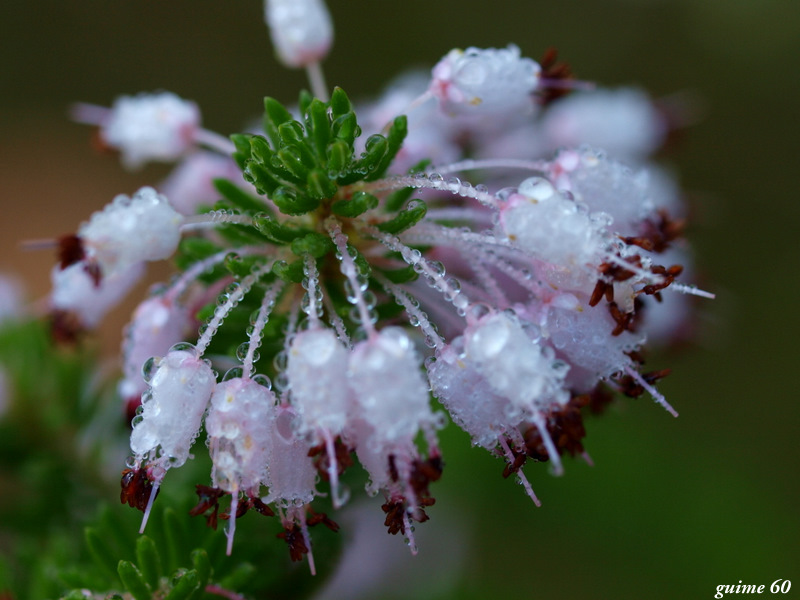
232,521
657,396
149,507
552,451
523,480
691,290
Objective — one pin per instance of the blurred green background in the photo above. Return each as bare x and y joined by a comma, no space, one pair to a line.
673,507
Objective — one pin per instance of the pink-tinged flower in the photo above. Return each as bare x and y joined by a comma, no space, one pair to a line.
624,122
158,323
76,291
130,230
493,81
301,30
151,127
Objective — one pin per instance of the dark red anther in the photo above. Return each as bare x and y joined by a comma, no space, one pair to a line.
293,536
136,488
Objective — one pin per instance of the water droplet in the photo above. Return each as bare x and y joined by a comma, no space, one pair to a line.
149,368
234,373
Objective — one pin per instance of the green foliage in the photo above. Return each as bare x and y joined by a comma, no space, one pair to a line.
300,164
406,218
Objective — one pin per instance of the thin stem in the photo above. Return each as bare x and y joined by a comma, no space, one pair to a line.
258,327
226,307
349,270
212,219
491,163
316,78
215,141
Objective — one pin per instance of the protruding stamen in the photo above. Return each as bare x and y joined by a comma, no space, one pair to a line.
149,507
232,521
552,451
691,290
524,480
657,396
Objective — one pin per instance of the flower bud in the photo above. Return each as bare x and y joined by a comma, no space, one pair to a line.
301,30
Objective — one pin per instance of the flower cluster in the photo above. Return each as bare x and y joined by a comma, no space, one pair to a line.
339,281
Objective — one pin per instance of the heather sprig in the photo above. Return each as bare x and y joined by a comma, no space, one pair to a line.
335,290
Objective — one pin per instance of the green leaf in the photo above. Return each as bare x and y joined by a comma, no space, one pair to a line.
395,137
346,128
239,577
133,580
149,561
304,101
261,177
184,586
316,244
406,218
289,272
320,186
241,141
403,275
174,533
340,103
357,204
339,155
291,202
198,248
274,115
292,160
291,132
398,198
238,197
318,126
100,551
275,231
241,266
202,565
374,151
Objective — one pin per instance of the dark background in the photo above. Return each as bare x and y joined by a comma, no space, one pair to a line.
672,508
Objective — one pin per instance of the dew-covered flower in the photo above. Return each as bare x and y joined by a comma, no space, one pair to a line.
339,289
301,30
492,81
149,127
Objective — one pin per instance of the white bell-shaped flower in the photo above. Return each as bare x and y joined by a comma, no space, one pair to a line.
301,30
493,81
239,427
147,127
181,384
129,230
